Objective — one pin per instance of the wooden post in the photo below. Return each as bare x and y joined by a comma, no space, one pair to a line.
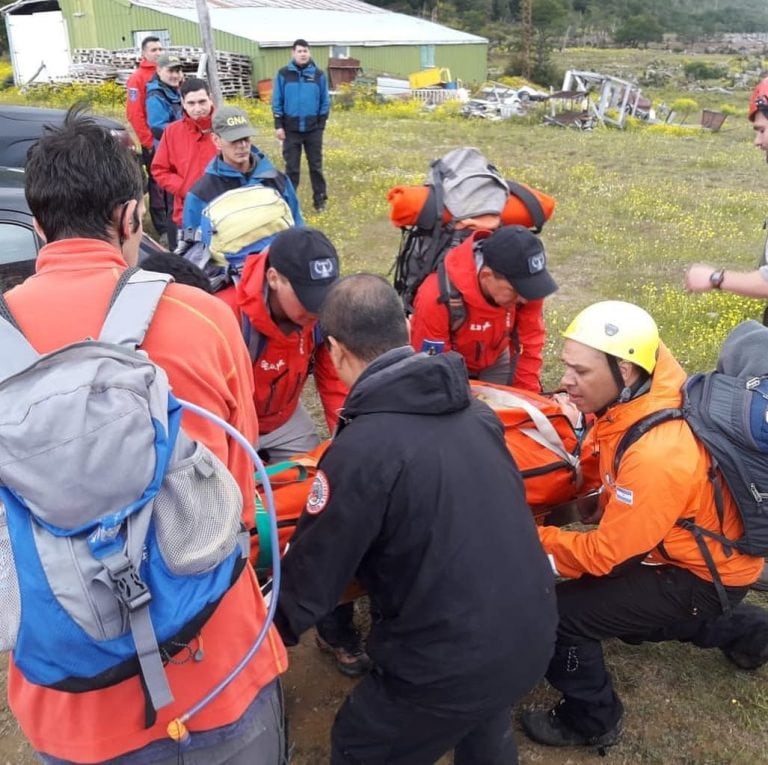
526,21
204,19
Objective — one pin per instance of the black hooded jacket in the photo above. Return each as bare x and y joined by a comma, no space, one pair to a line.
419,498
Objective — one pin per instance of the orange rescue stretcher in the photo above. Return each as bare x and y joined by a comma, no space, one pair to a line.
559,470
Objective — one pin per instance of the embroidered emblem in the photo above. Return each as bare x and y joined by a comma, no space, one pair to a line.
133,94
626,496
319,494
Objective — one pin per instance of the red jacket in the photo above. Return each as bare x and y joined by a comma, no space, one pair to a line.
488,330
194,339
661,479
181,157
135,106
285,361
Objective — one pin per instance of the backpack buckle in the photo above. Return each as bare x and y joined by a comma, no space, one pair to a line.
131,590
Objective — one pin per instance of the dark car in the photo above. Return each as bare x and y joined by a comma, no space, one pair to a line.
19,244
21,126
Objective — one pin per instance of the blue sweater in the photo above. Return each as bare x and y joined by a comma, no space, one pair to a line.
163,107
300,100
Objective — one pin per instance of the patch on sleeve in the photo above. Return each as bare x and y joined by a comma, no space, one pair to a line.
319,494
133,94
626,496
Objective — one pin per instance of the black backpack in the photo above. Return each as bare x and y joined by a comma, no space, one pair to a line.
727,410
464,183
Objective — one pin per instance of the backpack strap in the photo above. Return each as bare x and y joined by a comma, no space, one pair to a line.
637,431
544,433
254,340
531,202
16,352
135,596
640,428
451,298
132,307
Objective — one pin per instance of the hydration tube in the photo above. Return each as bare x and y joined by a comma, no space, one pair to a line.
177,729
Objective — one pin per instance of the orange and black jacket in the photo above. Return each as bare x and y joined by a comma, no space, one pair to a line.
662,478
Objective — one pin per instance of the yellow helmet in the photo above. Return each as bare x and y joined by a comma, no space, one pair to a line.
620,329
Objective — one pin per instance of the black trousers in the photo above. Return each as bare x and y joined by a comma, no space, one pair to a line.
641,603
312,143
159,211
376,727
338,629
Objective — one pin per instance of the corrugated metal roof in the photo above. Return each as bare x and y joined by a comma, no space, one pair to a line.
274,23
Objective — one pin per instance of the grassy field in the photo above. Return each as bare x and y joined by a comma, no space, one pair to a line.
634,208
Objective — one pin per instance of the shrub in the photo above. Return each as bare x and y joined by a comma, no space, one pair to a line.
702,70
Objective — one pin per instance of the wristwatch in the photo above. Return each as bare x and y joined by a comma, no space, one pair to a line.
716,278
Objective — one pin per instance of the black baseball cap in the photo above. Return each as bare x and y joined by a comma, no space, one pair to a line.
308,260
518,254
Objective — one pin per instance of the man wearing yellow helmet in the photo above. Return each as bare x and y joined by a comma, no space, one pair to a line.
638,575
701,277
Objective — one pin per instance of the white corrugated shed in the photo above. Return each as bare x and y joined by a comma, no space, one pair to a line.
277,23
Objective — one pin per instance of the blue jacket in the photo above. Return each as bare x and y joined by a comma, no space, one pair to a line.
220,177
163,106
300,100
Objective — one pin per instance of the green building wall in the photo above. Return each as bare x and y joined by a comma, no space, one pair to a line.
112,27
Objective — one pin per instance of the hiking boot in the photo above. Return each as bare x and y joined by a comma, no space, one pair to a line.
750,649
319,206
751,656
545,727
761,585
351,661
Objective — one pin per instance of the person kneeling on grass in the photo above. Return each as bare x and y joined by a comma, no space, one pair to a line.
638,575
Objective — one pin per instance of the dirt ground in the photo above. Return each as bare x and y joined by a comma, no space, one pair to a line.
313,689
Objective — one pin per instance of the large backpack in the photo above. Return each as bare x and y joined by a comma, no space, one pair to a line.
237,223
461,185
119,535
727,410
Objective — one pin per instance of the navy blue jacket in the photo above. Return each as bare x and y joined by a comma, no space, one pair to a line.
220,177
419,498
300,100
163,106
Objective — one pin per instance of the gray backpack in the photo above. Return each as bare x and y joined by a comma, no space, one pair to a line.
119,535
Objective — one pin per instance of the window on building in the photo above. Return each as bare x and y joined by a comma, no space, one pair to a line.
339,51
427,56
163,34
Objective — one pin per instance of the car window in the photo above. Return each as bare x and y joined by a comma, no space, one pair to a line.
17,242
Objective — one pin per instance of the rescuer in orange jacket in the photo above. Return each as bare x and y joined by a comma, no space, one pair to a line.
501,280
637,575
194,338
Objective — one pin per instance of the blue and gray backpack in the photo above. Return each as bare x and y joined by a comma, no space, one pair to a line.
119,535
727,410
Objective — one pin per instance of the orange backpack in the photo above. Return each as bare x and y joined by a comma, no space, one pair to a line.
463,193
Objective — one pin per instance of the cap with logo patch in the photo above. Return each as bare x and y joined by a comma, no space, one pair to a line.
517,254
169,61
232,124
306,257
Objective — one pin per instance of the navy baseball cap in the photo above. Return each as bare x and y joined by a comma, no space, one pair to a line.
308,260
518,254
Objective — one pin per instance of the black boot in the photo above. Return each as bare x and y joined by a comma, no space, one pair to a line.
546,727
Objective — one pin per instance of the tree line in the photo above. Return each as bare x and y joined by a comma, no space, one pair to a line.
622,22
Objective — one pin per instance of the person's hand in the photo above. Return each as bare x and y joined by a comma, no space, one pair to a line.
280,134
567,407
697,277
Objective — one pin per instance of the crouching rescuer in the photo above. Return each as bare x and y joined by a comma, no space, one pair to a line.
657,566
